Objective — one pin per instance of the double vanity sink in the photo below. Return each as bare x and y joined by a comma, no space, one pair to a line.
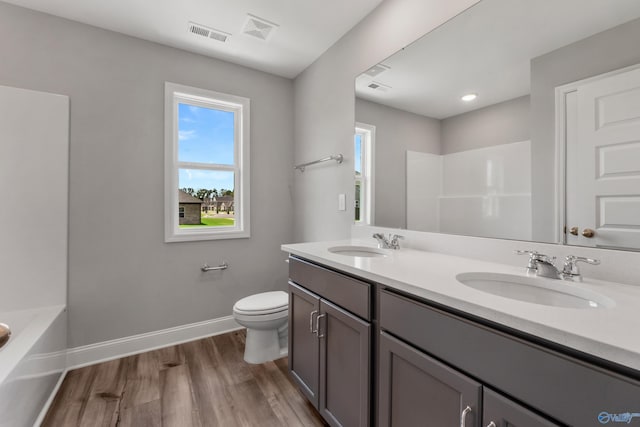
536,290
505,346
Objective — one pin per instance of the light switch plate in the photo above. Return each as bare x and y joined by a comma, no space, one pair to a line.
342,202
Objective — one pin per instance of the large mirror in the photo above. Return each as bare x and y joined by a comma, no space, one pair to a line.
545,145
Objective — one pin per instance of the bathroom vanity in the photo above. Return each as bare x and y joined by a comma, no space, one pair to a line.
393,339
330,341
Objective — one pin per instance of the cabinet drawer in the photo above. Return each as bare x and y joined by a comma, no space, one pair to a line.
567,389
350,294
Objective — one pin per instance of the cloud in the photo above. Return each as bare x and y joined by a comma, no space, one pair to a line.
184,135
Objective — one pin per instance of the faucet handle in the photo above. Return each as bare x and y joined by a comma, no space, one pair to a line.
531,267
393,240
530,253
571,269
536,256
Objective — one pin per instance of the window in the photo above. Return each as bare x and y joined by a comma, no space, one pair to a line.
363,165
206,164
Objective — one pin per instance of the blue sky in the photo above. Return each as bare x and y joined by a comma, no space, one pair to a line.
205,136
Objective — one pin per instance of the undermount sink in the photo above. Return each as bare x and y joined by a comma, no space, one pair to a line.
358,251
555,293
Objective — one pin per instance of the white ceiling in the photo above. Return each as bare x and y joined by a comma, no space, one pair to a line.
487,50
307,28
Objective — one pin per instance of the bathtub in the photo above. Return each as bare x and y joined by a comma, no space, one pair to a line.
31,363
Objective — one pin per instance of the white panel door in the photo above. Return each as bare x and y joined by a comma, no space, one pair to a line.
603,167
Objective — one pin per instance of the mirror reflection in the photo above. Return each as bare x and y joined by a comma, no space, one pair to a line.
470,126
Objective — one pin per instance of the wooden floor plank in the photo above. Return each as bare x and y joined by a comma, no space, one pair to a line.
143,379
176,404
144,415
103,404
209,386
200,383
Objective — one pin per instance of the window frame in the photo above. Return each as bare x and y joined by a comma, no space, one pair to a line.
180,94
367,186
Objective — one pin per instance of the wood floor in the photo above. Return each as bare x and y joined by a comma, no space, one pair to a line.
200,383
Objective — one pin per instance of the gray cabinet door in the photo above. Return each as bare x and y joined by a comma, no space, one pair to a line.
503,412
417,390
304,353
345,367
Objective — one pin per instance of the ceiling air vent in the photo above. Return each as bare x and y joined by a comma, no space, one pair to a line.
378,86
259,28
210,33
376,70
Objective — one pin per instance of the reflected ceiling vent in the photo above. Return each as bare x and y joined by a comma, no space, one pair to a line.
210,33
259,28
376,70
379,87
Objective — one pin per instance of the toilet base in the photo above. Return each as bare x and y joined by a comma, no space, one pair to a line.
263,346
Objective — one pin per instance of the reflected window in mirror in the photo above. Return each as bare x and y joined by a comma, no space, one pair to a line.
363,173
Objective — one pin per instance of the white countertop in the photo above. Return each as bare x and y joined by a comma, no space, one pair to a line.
609,333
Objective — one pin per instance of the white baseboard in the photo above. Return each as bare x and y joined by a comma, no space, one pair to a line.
108,350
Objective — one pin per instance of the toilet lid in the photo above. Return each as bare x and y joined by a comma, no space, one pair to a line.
264,303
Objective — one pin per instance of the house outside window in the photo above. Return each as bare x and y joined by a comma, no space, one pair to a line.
206,164
363,173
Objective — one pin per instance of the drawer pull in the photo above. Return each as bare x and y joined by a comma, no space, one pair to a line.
314,312
491,424
463,416
320,335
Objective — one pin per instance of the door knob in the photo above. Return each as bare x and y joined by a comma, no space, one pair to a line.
574,231
588,233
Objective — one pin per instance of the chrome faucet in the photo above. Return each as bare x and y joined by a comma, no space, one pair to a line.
393,242
543,266
540,265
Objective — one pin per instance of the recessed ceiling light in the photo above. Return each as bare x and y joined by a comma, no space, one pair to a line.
469,97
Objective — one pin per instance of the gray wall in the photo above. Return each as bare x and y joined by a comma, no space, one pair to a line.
324,106
607,51
501,123
396,132
123,278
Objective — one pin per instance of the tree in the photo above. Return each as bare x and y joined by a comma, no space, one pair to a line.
202,193
189,191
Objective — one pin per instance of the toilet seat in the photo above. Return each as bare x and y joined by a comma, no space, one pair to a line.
262,304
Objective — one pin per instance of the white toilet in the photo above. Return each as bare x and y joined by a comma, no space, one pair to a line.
265,316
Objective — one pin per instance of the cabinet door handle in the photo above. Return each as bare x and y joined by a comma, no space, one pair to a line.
314,312
491,424
463,416
318,325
